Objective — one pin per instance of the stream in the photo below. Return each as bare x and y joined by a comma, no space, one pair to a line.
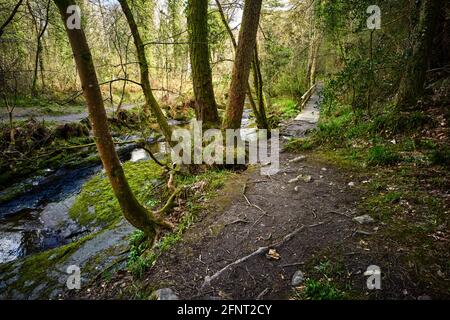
38,220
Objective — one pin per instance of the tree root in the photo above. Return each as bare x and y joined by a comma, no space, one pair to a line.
261,250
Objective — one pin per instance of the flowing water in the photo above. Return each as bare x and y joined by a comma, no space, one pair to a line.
38,220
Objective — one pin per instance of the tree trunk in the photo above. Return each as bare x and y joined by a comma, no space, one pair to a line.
205,103
313,71
260,122
38,62
132,210
145,81
259,90
242,62
412,84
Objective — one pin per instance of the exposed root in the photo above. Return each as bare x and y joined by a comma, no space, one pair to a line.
261,250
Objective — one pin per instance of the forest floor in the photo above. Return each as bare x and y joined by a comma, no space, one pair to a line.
291,235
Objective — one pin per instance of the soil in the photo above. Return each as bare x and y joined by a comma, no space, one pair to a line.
254,211
304,222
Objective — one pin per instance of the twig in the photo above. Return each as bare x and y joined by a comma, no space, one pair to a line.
244,189
154,158
262,294
291,264
340,213
236,221
261,250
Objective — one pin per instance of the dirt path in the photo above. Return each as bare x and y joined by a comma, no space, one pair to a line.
257,212
25,113
310,212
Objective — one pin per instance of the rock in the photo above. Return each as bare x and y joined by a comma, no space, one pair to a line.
351,184
307,178
301,158
364,219
297,278
164,294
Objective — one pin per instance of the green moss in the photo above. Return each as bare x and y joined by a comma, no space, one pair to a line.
96,203
299,144
141,258
34,268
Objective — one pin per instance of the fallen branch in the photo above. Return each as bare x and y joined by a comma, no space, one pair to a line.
261,250
244,189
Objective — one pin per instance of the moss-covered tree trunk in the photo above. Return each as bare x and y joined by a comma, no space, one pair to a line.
205,103
313,70
242,62
259,120
132,210
145,79
412,84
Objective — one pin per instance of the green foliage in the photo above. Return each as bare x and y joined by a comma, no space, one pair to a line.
381,155
321,290
286,107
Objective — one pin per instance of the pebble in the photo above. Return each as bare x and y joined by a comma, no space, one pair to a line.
297,278
364,219
165,294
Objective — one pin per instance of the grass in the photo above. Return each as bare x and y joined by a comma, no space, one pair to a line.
324,281
406,174
141,257
286,107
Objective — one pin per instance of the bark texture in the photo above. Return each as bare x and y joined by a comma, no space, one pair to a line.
242,62
145,79
132,210
205,102
260,120
412,84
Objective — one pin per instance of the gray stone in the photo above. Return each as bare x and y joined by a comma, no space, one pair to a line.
364,219
164,294
297,278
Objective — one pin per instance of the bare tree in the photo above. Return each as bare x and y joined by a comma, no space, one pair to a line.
132,210
145,80
10,17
